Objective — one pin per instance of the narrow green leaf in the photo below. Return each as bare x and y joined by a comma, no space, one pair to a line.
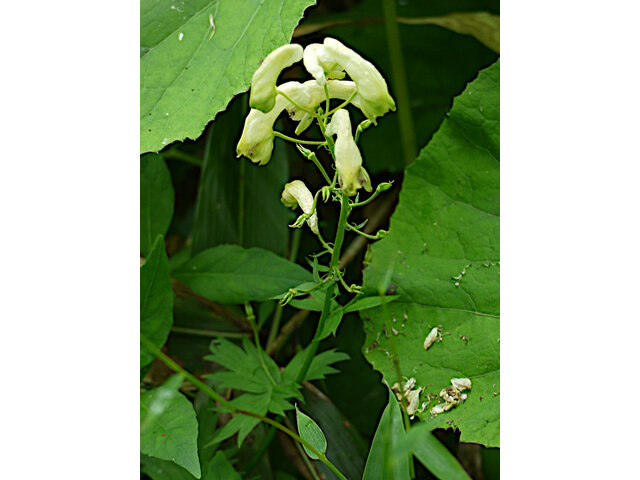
369,302
230,274
484,26
220,468
168,426
433,454
331,324
386,457
156,200
195,55
156,300
310,432
444,246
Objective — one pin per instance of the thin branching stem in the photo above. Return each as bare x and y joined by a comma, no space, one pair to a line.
297,140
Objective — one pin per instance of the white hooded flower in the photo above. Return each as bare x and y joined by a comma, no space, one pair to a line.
296,193
319,66
339,89
263,83
256,141
351,173
372,87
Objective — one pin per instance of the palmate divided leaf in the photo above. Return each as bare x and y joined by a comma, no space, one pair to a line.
267,388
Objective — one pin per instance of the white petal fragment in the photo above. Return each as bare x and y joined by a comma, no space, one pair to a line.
431,337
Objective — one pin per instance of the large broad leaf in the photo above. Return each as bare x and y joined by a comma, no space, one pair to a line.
156,200
443,255
168,426
386,457
239,201
231,274
156,300
197,54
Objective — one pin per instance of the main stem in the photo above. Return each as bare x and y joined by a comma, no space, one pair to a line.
326,308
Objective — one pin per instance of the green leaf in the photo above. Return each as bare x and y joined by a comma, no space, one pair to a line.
433,454
386,458
156,300
368,302
157,469
156,200
238,201
231,274
319,368
310,432
444,252
189,71
484,26
168,426
346,448
220,468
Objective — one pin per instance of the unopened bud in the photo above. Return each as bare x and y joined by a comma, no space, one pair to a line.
384,186
296,193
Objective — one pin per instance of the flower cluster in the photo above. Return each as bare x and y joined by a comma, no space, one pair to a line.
328,63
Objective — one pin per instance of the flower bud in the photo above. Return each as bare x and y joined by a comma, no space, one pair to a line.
296,193
263,83
384,186
372,88
351,174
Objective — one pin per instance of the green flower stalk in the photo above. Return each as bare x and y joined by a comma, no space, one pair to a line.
263,83
351,174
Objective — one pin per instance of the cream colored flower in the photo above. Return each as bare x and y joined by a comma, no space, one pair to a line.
256,141
371,86
296,193
263,83
319,66
351,173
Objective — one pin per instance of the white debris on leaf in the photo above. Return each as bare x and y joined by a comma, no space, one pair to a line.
296,193
414,399
452,395
461,383
263,83
431,338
